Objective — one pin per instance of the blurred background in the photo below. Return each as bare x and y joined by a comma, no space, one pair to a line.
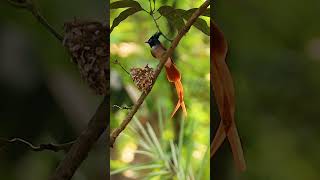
274,58
192,59
43,98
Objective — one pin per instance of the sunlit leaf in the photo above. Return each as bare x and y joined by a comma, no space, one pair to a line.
145,135
154,174
136,168
146,153
203,164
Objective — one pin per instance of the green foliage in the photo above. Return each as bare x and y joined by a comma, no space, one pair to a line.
175,17
166,158
172,16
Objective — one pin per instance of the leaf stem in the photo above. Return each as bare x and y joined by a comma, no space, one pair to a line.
156,23
151,10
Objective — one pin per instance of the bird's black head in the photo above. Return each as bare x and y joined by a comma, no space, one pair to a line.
154,40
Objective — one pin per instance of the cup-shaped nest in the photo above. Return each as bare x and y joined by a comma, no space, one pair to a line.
142,77
88,44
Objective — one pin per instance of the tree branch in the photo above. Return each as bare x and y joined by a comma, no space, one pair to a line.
40,147
81,147
29,5
164,58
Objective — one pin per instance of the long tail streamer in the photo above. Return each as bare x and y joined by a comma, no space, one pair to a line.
174,76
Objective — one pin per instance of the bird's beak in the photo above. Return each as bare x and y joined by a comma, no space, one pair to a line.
146,42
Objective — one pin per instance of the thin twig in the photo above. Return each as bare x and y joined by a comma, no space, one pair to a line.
40,147
118,63
164,58
158,17
156,23
155,19
29,5
122,107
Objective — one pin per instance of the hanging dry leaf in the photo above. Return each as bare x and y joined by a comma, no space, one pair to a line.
223,89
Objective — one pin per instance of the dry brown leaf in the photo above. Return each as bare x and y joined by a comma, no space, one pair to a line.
223,89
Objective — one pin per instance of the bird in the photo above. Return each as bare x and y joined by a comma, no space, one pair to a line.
172,72
223,89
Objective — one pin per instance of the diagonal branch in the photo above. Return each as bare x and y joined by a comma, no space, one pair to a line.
81,147
40,147
169,53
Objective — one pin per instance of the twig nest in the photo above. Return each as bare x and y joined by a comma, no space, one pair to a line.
142,77
88,44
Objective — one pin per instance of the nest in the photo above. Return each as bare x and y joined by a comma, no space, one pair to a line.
88,44
142,77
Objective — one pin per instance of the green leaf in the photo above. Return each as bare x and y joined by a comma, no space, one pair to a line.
175,19
199,23
149,144
146,153
202,26
176,16
190,146
124,15
160,123
155,140
125,4
191,11
203,163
